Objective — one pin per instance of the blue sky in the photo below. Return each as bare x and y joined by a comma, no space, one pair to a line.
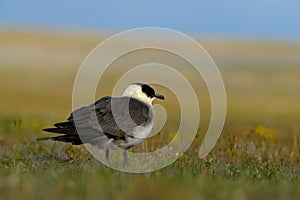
231,18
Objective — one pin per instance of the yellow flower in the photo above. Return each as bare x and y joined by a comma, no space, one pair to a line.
265,132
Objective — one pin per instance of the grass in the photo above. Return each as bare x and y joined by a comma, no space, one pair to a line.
243,165
257,156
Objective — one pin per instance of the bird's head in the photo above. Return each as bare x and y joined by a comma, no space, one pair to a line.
142,92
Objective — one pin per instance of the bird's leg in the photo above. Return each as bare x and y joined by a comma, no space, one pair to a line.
125,158
107,154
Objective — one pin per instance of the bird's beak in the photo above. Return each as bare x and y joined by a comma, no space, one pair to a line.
159,96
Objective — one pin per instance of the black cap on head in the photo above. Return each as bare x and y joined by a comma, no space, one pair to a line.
149,91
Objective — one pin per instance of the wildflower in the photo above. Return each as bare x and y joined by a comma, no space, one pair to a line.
265,132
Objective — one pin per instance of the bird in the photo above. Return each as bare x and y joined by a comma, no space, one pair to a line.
111,122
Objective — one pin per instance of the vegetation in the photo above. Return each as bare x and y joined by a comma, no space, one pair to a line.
257,156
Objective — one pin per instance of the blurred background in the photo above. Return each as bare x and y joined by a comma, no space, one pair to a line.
255,44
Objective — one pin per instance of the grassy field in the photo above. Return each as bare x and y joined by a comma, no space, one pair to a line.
257,156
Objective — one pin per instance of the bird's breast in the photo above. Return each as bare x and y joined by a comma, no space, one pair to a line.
142,132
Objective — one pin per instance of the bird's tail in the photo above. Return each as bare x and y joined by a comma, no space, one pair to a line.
67,129
74,139
69,133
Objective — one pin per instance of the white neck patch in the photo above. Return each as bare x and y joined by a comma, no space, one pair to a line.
135,91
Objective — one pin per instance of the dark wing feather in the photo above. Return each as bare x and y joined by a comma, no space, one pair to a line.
97,119
119,116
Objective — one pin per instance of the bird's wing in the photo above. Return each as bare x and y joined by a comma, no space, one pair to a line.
116,117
